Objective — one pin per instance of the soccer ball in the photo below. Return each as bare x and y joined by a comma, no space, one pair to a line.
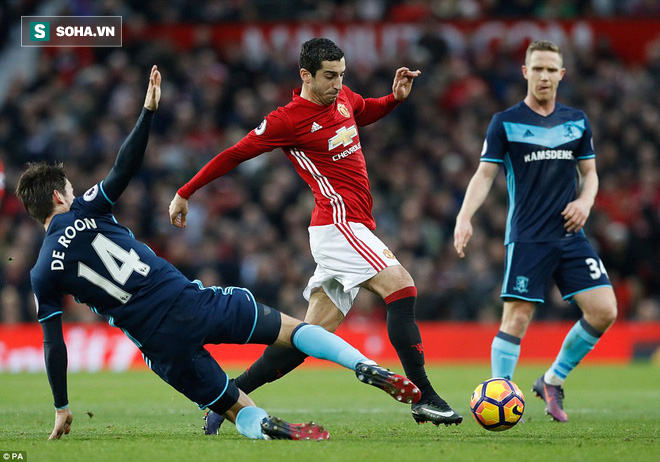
497,404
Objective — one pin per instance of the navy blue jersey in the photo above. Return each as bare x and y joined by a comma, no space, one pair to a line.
87,254
539,155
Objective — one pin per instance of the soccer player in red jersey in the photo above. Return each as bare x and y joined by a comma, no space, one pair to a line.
318,131
86,253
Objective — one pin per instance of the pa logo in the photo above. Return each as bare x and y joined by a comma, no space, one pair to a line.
521,284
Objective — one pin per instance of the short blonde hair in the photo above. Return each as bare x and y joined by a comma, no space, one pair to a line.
542,45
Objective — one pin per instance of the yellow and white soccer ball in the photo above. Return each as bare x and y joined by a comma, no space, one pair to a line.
497,404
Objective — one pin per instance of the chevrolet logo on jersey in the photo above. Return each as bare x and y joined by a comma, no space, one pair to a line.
343,137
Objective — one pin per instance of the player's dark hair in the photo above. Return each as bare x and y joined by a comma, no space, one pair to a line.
542,45
36,185
313,52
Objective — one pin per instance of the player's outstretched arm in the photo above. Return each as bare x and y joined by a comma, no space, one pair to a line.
403,80
475,195
131,154
63,419
55,357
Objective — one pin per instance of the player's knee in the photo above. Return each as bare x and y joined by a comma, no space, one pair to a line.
405,279
390,280
602,312
609,314
397,282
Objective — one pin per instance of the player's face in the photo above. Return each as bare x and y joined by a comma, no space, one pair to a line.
543,71
327,82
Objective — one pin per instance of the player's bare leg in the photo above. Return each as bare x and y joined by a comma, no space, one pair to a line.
516,316
600,310
322,312
599,307
505,349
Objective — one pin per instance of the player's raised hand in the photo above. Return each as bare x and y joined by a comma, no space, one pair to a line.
153,92
178,211
403,80
63,419
462,235
575,213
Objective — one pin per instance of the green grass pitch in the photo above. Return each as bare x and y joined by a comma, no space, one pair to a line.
614,415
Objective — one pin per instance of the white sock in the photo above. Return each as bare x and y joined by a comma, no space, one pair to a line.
552,379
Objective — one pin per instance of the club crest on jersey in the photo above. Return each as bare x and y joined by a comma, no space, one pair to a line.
388,253
344,136
91,193
521,284
261,128
569,131
343,110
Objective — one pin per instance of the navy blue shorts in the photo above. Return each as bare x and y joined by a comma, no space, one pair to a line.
571,262
200,316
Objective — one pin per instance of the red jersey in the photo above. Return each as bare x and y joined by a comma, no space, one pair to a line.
323,144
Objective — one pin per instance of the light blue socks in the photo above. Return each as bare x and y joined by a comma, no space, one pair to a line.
504,354
248,422
579,341
317,342
314,341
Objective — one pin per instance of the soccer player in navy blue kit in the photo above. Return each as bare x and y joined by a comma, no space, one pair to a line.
547,153
88,254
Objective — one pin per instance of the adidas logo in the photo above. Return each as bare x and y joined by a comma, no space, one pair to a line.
315,127
528,133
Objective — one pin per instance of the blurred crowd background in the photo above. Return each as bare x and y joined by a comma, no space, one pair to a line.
206,11
249,228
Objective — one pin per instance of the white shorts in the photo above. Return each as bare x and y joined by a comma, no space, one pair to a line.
346,255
